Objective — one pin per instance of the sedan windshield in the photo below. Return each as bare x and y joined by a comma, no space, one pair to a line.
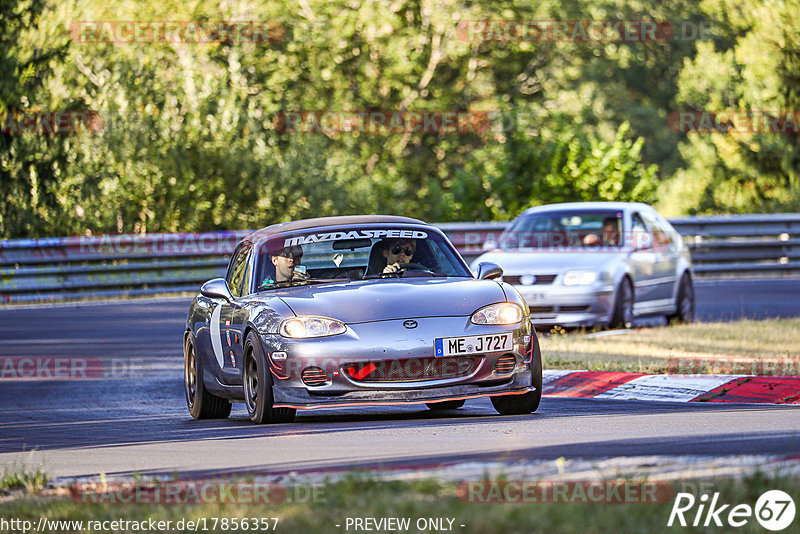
565,229
344,254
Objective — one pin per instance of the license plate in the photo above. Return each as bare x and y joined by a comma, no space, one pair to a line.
459,346
533,297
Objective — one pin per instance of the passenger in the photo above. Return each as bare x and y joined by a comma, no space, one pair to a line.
397,252
611,231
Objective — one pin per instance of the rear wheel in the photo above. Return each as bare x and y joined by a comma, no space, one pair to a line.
446,405
623,305
684,302
258,386
527,402
201,403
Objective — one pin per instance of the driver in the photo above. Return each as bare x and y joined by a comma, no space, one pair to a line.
285,262
398,252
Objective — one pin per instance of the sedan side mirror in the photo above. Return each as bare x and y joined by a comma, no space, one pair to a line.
489,271
216,289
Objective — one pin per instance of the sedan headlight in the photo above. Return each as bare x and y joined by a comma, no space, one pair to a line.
305,327
580,278
500,313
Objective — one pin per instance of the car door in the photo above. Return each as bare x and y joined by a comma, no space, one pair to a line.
643,261
229,318
666,258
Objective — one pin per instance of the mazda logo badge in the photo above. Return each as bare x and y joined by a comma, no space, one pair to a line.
410,324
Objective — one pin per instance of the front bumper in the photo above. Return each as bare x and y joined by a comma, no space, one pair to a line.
391,341
301,398
571,306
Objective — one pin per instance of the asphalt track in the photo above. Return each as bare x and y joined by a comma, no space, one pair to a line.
137,421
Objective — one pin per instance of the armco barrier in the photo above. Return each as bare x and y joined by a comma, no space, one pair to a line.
109,265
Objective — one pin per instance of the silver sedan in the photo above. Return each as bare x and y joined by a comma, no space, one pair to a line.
596,264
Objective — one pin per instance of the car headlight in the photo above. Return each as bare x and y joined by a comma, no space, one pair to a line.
305,327
500,313
580,278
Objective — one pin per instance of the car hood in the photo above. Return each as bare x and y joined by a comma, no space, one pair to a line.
381,300
548,262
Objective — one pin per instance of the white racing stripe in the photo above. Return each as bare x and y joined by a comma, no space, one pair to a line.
675,388
216,337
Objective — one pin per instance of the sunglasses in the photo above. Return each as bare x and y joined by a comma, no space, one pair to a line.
407,250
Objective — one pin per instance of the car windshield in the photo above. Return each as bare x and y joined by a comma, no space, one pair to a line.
578,230
355,253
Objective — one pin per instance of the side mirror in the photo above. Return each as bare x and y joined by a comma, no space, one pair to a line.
216,289
489,271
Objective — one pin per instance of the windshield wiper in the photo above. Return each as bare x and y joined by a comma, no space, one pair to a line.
293,283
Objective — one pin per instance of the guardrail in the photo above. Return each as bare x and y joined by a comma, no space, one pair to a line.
110,265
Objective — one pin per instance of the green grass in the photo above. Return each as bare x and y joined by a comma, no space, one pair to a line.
362,496
767,347
23,479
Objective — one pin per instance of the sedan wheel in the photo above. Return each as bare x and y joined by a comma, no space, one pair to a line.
623,305
684,302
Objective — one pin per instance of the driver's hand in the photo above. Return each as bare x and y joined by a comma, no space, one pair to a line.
393,268
297,275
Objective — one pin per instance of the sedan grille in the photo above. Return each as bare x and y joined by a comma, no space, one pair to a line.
412,369
540,280
505,364
314,376
574,308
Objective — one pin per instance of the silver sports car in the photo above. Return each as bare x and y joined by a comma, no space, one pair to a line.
596,263
354,311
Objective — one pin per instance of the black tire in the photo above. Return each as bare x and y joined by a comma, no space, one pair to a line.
201,403
527,402
623,305
684,302
446,405
257,384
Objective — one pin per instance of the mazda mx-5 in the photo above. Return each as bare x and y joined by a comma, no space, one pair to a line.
356,311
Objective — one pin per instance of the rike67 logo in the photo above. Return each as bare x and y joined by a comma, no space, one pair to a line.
774,510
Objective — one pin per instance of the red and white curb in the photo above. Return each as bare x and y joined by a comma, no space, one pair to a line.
672,388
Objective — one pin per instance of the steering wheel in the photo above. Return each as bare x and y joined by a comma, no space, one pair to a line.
413,267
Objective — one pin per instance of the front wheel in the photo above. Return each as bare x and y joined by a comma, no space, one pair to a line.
201,403
684,302
623,305
257,385
527,402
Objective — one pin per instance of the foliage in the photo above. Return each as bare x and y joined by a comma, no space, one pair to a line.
757,168
189,138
